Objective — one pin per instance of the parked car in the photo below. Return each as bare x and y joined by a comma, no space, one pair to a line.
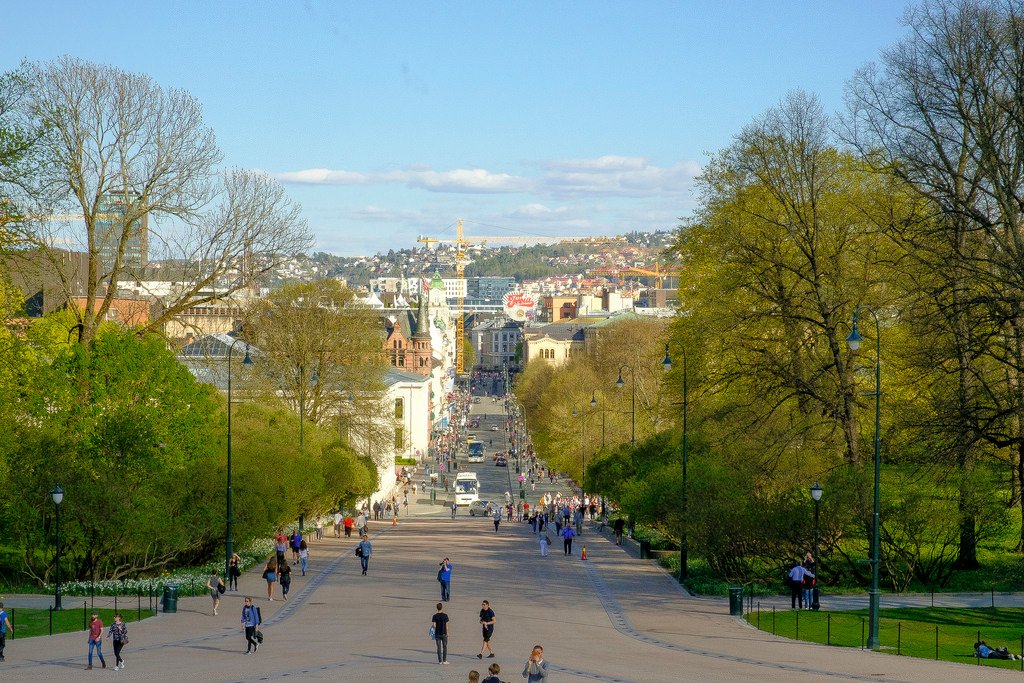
480,507
500,461
494,428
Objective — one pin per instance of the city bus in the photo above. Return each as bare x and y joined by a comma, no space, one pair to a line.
467,489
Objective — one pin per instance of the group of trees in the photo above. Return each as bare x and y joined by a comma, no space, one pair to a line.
909,204
109,413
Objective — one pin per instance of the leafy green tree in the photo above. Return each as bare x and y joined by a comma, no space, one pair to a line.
136,460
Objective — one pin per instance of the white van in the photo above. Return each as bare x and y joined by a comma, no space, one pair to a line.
467,489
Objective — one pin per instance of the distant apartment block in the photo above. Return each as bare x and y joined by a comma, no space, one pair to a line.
110,229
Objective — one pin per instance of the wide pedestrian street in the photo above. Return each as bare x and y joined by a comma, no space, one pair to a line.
610,618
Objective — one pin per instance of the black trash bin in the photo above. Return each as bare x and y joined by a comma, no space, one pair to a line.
645,550
736,601
170,598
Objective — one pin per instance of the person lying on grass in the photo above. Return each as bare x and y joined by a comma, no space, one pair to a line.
981,649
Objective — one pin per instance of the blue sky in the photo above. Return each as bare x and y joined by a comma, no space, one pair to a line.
386,120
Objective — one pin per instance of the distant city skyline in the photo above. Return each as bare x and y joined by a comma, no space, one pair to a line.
390,120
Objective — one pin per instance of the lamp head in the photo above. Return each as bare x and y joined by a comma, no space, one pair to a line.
854,340
816,492
593,400
57,494
248,359
619,383
666,363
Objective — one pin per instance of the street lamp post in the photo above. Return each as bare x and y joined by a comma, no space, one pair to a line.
229,540
618,385
854,341
684,548
57,494
816,497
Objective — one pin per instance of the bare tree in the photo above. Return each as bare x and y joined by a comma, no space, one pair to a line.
115,137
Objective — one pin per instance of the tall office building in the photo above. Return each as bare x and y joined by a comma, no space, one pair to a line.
109,229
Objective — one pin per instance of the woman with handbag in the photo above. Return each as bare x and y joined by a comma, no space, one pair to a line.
119,634
270,574
216,587
234,571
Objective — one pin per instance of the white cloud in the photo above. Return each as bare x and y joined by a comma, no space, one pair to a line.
608,175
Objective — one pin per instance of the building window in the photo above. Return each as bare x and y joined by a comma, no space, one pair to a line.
399,408
399,438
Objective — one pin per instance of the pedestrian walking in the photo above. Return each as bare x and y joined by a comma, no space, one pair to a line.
567,536
536,668
5,628
285,579
349,523
454,508
620,524
234,571
270,574
296,541
281,547
364,550
319,528
361,524
493,670
251,620
96,640
487,620
118,634
304,557
497,518
337,524
216,588
440,624
444,576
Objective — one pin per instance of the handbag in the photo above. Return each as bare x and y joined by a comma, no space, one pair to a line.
359,551
259,635
221,589
440,573
431,632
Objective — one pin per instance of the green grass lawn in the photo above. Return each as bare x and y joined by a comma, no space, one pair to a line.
932,633
36,622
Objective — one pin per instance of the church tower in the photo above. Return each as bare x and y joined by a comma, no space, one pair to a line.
422,350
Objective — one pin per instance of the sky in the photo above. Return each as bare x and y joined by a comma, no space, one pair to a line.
387,120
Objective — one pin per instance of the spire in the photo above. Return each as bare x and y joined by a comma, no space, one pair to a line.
422,318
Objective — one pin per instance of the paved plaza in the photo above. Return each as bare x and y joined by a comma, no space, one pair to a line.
611,618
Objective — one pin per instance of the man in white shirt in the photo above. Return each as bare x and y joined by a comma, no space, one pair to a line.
337,524
796,583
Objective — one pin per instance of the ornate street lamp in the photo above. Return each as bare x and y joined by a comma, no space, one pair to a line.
854,341
816,497
666,364
229,541
57,494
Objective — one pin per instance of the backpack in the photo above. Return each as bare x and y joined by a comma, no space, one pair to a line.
440,572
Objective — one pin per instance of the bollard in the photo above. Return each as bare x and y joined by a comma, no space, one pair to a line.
899,637
797,636
828,629
976,655
933,597
1022,651
759,618
993,598
773,620
85,616
139,618
936,642
115,603
51,620
862,633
